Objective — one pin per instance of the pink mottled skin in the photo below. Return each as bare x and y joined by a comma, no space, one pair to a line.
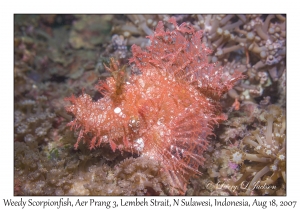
165,113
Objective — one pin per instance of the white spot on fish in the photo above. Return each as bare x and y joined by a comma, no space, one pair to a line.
117,110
